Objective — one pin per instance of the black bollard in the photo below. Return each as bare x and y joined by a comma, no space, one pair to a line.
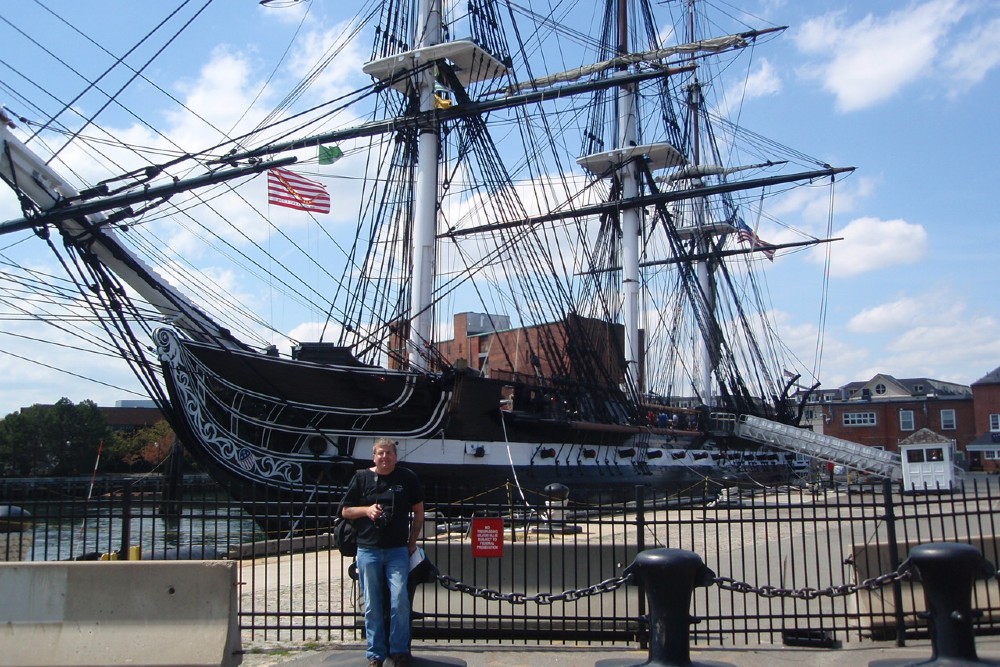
558,497
947,571
669,576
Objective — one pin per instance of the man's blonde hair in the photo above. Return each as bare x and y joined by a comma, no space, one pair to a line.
385,442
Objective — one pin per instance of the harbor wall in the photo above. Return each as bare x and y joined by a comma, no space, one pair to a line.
85,614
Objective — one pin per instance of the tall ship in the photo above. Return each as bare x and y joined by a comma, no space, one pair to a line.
547,265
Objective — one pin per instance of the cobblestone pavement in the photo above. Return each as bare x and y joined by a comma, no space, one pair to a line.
482,655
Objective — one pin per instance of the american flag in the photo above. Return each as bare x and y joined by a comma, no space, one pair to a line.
747,235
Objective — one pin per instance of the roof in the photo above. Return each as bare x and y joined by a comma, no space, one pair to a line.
986,441
925,436
918,386
993,377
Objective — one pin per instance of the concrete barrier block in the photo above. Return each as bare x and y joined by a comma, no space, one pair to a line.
84,614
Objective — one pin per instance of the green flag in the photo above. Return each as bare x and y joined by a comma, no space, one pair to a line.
329,154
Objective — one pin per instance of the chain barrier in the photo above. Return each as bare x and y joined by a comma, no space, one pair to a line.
571,595
902,573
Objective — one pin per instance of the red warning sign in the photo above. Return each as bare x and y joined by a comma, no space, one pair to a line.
487,537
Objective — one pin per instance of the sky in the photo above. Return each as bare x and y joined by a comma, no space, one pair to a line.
906,92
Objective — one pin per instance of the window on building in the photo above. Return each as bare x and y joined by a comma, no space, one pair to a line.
995,422
947,420
918,389
880,389
906,422
859,419
914,456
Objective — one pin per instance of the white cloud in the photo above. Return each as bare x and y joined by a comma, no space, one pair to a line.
957,350
50,363
890,316
308,331
870,243
763,82
342,61
975,55
220,95
810,206
869,61
930,334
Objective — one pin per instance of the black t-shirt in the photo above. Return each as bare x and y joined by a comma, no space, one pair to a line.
397,492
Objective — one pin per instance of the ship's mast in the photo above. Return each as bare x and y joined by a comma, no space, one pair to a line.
429,22
628,136
703,234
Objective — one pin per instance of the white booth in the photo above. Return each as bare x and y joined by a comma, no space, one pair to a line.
928,463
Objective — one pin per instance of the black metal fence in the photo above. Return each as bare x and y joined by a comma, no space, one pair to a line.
816,565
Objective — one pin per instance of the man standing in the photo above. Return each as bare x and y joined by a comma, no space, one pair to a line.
379,501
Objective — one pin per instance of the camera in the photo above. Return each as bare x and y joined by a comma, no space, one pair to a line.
385,519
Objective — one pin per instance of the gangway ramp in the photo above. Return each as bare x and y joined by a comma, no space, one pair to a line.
825,447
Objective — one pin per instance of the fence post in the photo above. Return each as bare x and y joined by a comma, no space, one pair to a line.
897,587
123,552
670,576
640,542
948,572
15,540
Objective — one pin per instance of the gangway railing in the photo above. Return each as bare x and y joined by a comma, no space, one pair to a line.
793,439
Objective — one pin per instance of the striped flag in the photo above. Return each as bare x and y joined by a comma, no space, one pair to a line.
288,189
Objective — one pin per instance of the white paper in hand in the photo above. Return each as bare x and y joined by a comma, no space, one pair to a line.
417,557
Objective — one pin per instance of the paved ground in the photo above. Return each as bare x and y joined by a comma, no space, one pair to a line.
482,655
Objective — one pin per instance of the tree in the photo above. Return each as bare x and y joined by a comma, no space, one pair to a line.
149,446
59,439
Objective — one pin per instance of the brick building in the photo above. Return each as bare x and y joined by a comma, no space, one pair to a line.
884,410
575,347
984,450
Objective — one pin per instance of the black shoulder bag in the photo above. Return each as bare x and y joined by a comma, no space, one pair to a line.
345,538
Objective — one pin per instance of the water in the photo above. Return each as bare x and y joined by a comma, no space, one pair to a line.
63,528
208,532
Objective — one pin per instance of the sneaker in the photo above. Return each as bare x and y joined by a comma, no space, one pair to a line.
400,660
372,662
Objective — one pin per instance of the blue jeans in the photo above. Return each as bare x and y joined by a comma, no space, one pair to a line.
376,568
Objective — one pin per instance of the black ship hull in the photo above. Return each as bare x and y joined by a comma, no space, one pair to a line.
284,437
